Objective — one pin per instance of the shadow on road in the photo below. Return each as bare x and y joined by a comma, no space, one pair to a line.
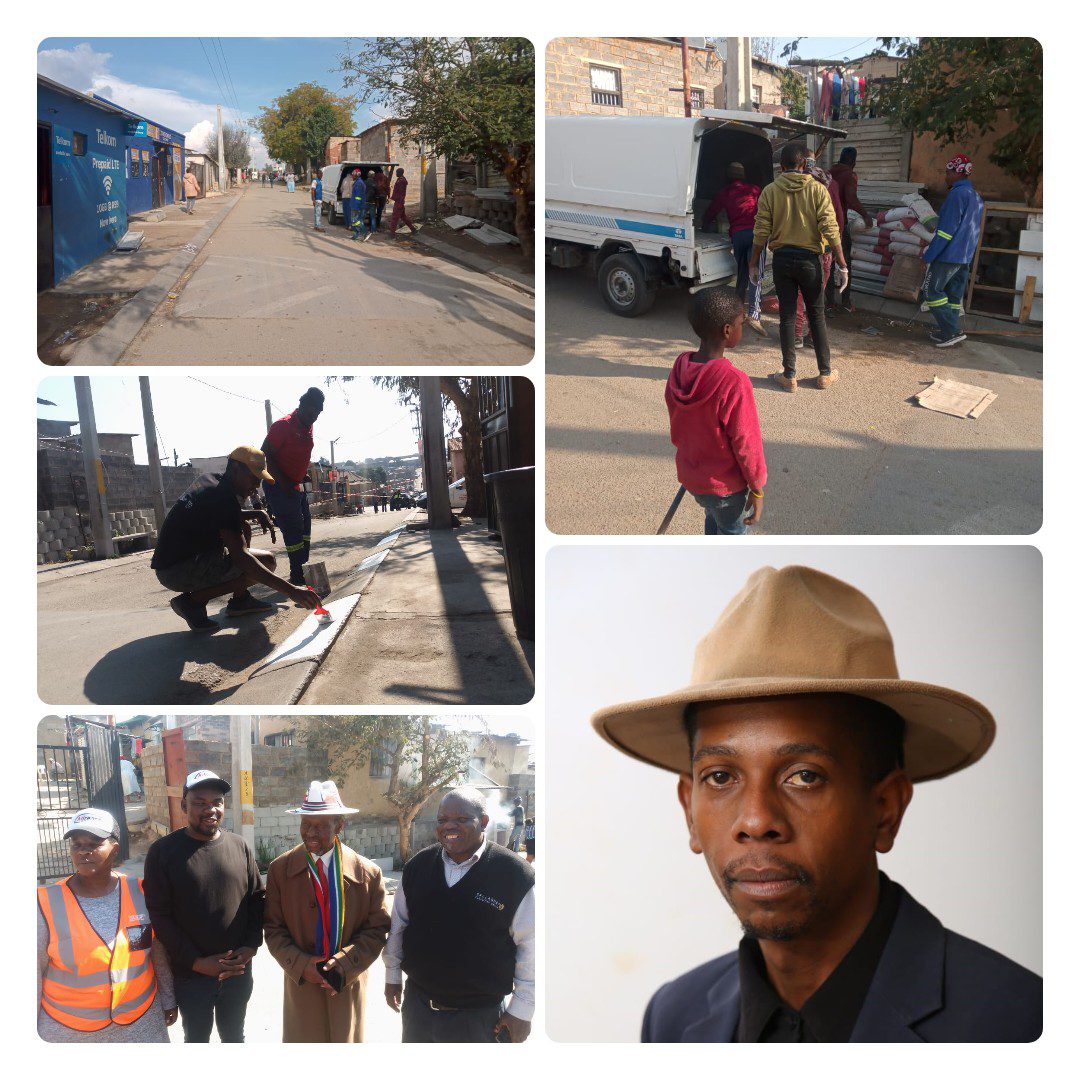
490,668
180,668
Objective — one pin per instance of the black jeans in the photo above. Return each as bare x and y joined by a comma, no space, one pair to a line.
797,271
422,1024
203,999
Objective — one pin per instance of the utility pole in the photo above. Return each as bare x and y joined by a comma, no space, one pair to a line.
687,109
93,471
738,68
223,172
269,415
153,457
243,790
332,441
438,490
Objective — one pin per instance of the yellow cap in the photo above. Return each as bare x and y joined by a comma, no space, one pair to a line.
254,459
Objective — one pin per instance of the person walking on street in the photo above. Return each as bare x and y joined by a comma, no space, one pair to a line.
288,445
530,840
204,548
316,199
847,180
739,201
796,220
398,196
326,924
826,256
191,190
950,253
205,899
273,177
465,947
103,977
518,814
262,178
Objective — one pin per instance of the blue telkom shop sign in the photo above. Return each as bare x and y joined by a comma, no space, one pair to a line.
89,192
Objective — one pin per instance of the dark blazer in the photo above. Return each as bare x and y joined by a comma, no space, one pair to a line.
931,985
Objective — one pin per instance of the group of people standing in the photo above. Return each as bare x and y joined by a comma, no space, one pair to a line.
120,959
364,195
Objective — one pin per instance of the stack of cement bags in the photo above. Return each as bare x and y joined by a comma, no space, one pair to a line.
901,230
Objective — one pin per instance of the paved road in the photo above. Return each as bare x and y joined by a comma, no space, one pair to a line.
268,289
106,634
859,458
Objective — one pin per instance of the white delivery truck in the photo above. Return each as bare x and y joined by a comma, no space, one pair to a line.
625,195
333,176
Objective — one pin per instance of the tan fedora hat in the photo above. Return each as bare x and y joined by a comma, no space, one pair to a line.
799,631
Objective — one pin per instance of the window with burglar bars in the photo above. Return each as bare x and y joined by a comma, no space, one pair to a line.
606,85
697,98
381,756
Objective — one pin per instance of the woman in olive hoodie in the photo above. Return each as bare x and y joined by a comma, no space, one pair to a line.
796,220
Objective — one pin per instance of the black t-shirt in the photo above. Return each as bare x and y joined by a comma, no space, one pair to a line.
204,897
194,524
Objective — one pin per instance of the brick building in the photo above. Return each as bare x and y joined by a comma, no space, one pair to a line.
641,77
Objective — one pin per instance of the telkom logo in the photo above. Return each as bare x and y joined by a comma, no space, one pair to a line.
107,181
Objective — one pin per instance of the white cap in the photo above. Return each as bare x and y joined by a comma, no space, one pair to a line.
99,823
205,778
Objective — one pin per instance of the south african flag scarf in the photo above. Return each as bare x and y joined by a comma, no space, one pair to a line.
329,889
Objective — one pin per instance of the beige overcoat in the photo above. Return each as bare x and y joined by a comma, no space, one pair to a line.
310,1014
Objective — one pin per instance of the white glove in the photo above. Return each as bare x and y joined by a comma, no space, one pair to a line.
842,278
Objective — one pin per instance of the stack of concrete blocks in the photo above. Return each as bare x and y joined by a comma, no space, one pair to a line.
134,523
59,535
496,208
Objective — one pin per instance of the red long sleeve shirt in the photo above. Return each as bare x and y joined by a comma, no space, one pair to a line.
739,201
714,427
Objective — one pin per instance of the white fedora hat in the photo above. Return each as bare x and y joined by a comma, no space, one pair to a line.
323,799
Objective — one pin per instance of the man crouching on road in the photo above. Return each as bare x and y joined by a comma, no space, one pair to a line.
203,551
463,930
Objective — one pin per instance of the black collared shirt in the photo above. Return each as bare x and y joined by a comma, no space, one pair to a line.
829,1014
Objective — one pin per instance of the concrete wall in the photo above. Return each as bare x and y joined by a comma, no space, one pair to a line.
928,160
63,535
651,74
127,484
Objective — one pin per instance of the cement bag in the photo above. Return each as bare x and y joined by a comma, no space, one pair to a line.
869,268
907,238
923,232
869,254
905,278
855,222
907,249
923,210
899,213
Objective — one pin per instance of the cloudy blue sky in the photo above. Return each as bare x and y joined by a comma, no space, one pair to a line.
179,81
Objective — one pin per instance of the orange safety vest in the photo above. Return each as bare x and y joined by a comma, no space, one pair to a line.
90,983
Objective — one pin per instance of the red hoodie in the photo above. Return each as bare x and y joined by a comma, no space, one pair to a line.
714,427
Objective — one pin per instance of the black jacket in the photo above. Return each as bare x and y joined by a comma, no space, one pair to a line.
931,985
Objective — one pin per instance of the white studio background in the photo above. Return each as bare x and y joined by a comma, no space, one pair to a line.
633,906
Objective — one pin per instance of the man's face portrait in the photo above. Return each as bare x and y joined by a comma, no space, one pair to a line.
783,803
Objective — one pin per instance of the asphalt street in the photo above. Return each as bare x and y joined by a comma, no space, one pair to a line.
106,633
268,289
858,458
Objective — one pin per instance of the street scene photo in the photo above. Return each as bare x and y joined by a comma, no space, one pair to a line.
277,540
285,200
297,879
793,285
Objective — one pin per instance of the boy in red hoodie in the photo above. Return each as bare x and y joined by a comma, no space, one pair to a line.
719,456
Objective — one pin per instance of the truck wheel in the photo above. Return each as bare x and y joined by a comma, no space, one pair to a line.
623,285
331,214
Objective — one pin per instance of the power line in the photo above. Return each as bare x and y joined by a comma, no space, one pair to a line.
228,80
211,67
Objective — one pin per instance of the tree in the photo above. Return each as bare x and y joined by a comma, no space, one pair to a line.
793,93
459,96
764,48
956,88
419,757
237,145
315,129
464,395
284,123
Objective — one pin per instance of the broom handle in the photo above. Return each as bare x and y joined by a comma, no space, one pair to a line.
671,511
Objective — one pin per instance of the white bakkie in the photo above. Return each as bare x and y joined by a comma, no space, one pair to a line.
626,195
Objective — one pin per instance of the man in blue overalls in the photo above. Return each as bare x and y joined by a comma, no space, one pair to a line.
951,251
358,202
